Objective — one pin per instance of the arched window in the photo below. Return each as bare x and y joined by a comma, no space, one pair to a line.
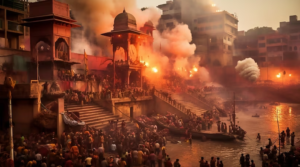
295,48
61,49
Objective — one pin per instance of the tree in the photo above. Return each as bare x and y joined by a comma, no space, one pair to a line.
257,31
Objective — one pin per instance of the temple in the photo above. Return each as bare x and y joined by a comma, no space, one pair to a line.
53,79
129,68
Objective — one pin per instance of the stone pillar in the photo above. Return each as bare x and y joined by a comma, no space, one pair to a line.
128,78
60,121
37,103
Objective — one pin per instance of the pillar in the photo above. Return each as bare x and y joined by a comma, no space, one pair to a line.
60,121
37,103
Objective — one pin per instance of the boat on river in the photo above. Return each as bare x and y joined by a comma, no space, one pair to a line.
256,115
196,134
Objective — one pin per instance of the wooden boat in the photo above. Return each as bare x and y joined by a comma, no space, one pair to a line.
256,115
196,134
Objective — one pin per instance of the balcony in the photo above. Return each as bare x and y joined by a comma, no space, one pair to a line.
14,26
14,4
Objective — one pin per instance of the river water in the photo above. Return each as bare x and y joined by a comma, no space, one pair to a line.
229,152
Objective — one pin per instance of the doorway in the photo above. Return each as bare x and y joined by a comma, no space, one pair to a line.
131,112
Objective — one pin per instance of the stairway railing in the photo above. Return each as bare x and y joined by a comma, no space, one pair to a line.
204,101
172,102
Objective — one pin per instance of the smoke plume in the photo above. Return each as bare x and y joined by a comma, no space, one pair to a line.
97,17
248,69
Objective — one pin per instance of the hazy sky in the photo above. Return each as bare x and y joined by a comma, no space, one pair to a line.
251,13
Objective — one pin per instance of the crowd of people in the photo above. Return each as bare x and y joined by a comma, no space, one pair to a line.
269,154
114,147
125,92
80,97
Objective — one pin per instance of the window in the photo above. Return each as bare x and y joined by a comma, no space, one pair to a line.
213,39
295,48
294,37
261,38
291,48
228,39
261,45
200,29
207,28
229,48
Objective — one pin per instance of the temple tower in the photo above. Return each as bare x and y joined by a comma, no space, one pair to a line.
50,39
125,36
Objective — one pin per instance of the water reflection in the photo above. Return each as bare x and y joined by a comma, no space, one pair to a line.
230,152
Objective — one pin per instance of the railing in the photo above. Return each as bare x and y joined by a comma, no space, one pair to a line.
13,26
124,94
204,101
13,4
179,106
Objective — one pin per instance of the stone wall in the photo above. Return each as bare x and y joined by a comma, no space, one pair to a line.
22,113
121,106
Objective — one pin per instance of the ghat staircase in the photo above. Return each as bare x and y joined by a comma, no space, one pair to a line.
191,102
184,101
94,115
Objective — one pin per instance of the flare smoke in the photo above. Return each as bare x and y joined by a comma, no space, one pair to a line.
248,69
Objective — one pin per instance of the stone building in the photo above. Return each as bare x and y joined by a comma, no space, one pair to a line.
213,30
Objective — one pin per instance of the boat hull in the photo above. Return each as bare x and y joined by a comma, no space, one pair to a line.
198,135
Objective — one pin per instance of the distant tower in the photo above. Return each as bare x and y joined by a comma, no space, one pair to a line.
125,35
50,39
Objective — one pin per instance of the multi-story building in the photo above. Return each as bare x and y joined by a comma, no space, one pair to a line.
213,30
12,34
214,35
284,45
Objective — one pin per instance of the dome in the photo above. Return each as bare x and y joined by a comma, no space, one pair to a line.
124,21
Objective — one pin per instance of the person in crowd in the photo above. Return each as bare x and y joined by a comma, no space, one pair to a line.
176,163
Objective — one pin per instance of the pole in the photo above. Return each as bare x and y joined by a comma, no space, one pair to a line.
267,71
10,127
278,133
233,115
37,64
114,71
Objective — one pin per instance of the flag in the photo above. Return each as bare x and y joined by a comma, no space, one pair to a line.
86,63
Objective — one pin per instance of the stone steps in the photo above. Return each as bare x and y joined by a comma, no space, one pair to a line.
190,103
94,115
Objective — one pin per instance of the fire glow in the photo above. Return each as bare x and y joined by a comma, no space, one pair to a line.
278,75
195,69
154,69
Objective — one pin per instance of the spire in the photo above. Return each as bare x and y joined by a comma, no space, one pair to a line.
124,11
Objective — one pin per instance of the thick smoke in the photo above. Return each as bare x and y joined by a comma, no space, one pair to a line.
175,43
97,17
248,69
172,47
